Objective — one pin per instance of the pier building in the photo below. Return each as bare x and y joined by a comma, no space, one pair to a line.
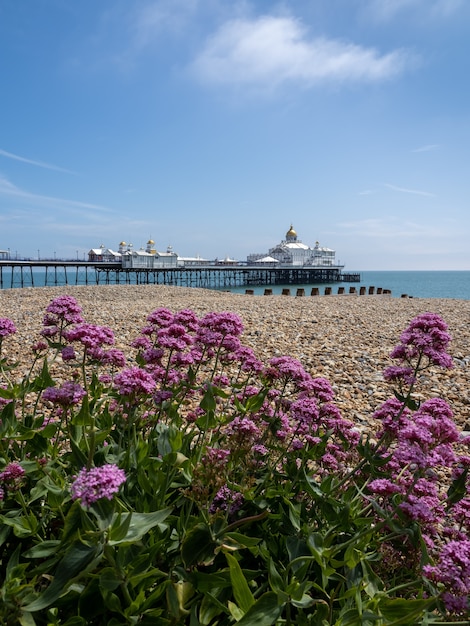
291,252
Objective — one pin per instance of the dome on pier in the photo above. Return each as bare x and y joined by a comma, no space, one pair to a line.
291,235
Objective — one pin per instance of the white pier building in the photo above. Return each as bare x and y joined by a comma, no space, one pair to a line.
291,252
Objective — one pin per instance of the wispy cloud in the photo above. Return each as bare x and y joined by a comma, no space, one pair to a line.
153,18
38,200
47,166
412,191
427,148
268,51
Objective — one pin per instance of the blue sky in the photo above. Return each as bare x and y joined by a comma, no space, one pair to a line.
212,125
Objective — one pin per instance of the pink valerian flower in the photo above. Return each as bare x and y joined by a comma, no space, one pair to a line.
248,360
90,485
142,342
453,571
384,487
426,335
188,319
68,394
400,375
90,335
7,327
134,381
162,395
305,411
243,432
219,330
161,318
319,388
66,308
224,323
182,359
426,439
216,457
112,357
174,337
426,510
12,476
68,353
38,347
461,514
393,415
226,500
152,356
286,368
63,311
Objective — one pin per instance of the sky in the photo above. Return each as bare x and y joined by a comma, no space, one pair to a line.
213,125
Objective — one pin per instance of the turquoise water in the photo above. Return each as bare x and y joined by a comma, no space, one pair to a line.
444,284
419,284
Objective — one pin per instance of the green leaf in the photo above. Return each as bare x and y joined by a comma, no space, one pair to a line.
139,524
402,612
73,563
241,591
74,521
458,488
42,550
208,402
78,456
264,612
83,417
120,528
198,546
275,579
44,379
254,403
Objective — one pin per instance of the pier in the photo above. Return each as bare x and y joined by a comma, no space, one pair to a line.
18,274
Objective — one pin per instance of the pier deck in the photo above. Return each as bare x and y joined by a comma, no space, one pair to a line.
14,274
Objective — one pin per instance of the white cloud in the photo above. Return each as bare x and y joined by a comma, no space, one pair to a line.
269,51
412,191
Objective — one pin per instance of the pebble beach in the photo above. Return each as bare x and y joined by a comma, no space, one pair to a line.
344,338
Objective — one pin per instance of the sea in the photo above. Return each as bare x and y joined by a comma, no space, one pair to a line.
414,284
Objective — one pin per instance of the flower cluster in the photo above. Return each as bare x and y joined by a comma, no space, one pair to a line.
90,485
7,327
425,338
63,311
11,478
68,394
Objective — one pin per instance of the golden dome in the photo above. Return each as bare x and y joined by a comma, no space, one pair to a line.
151,242
123,243
291,234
